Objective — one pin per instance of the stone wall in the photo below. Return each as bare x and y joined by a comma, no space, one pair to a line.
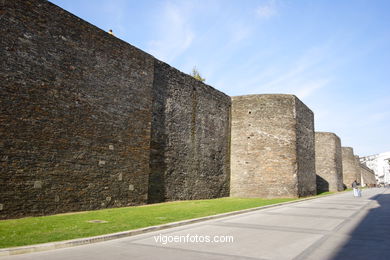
75,114
77,107
190,138
272,150
379,163
329,168
350,170
367,175
89,121
359,177
305,142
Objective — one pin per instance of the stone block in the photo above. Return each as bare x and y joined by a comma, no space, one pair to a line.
37,184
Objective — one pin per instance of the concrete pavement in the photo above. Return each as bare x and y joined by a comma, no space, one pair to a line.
333,227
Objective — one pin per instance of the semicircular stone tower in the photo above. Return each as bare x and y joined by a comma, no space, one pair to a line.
272,147
351,172
329,167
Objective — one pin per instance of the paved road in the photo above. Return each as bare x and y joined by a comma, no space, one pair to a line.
334,227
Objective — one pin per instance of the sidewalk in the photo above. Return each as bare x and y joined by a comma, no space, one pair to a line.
333,227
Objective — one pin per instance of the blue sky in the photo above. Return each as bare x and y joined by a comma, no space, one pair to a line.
334,55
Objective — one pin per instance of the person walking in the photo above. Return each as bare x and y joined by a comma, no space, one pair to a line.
356,191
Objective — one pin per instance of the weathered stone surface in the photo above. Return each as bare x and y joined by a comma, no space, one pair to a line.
329,168
85,117
305,142
367,175
69,94
190,156
359,177
350,170
272,150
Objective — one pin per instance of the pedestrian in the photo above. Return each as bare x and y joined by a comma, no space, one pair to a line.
356,191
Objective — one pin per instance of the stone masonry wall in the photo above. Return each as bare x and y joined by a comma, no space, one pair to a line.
367,175
359,176
190,156
272,136
329,168
305,142
350,171
75,113
77,107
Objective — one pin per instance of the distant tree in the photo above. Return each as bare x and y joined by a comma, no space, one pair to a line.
195,73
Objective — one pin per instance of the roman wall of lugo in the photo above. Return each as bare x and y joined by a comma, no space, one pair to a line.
367,175
350,170
272,147
329,167
89,121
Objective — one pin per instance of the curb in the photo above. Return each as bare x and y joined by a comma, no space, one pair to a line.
89,240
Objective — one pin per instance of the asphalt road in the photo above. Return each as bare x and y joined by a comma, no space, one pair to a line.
333,227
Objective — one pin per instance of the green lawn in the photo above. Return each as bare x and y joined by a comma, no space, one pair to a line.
34,230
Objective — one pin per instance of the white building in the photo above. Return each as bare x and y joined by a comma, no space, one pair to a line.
380,164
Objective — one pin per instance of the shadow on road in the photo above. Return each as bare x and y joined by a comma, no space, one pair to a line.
371,238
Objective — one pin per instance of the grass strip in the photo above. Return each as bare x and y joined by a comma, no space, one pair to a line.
35,230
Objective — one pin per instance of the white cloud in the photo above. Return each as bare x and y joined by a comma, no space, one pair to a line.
174,34
310,86
303,77
380,116
239,31
267,10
